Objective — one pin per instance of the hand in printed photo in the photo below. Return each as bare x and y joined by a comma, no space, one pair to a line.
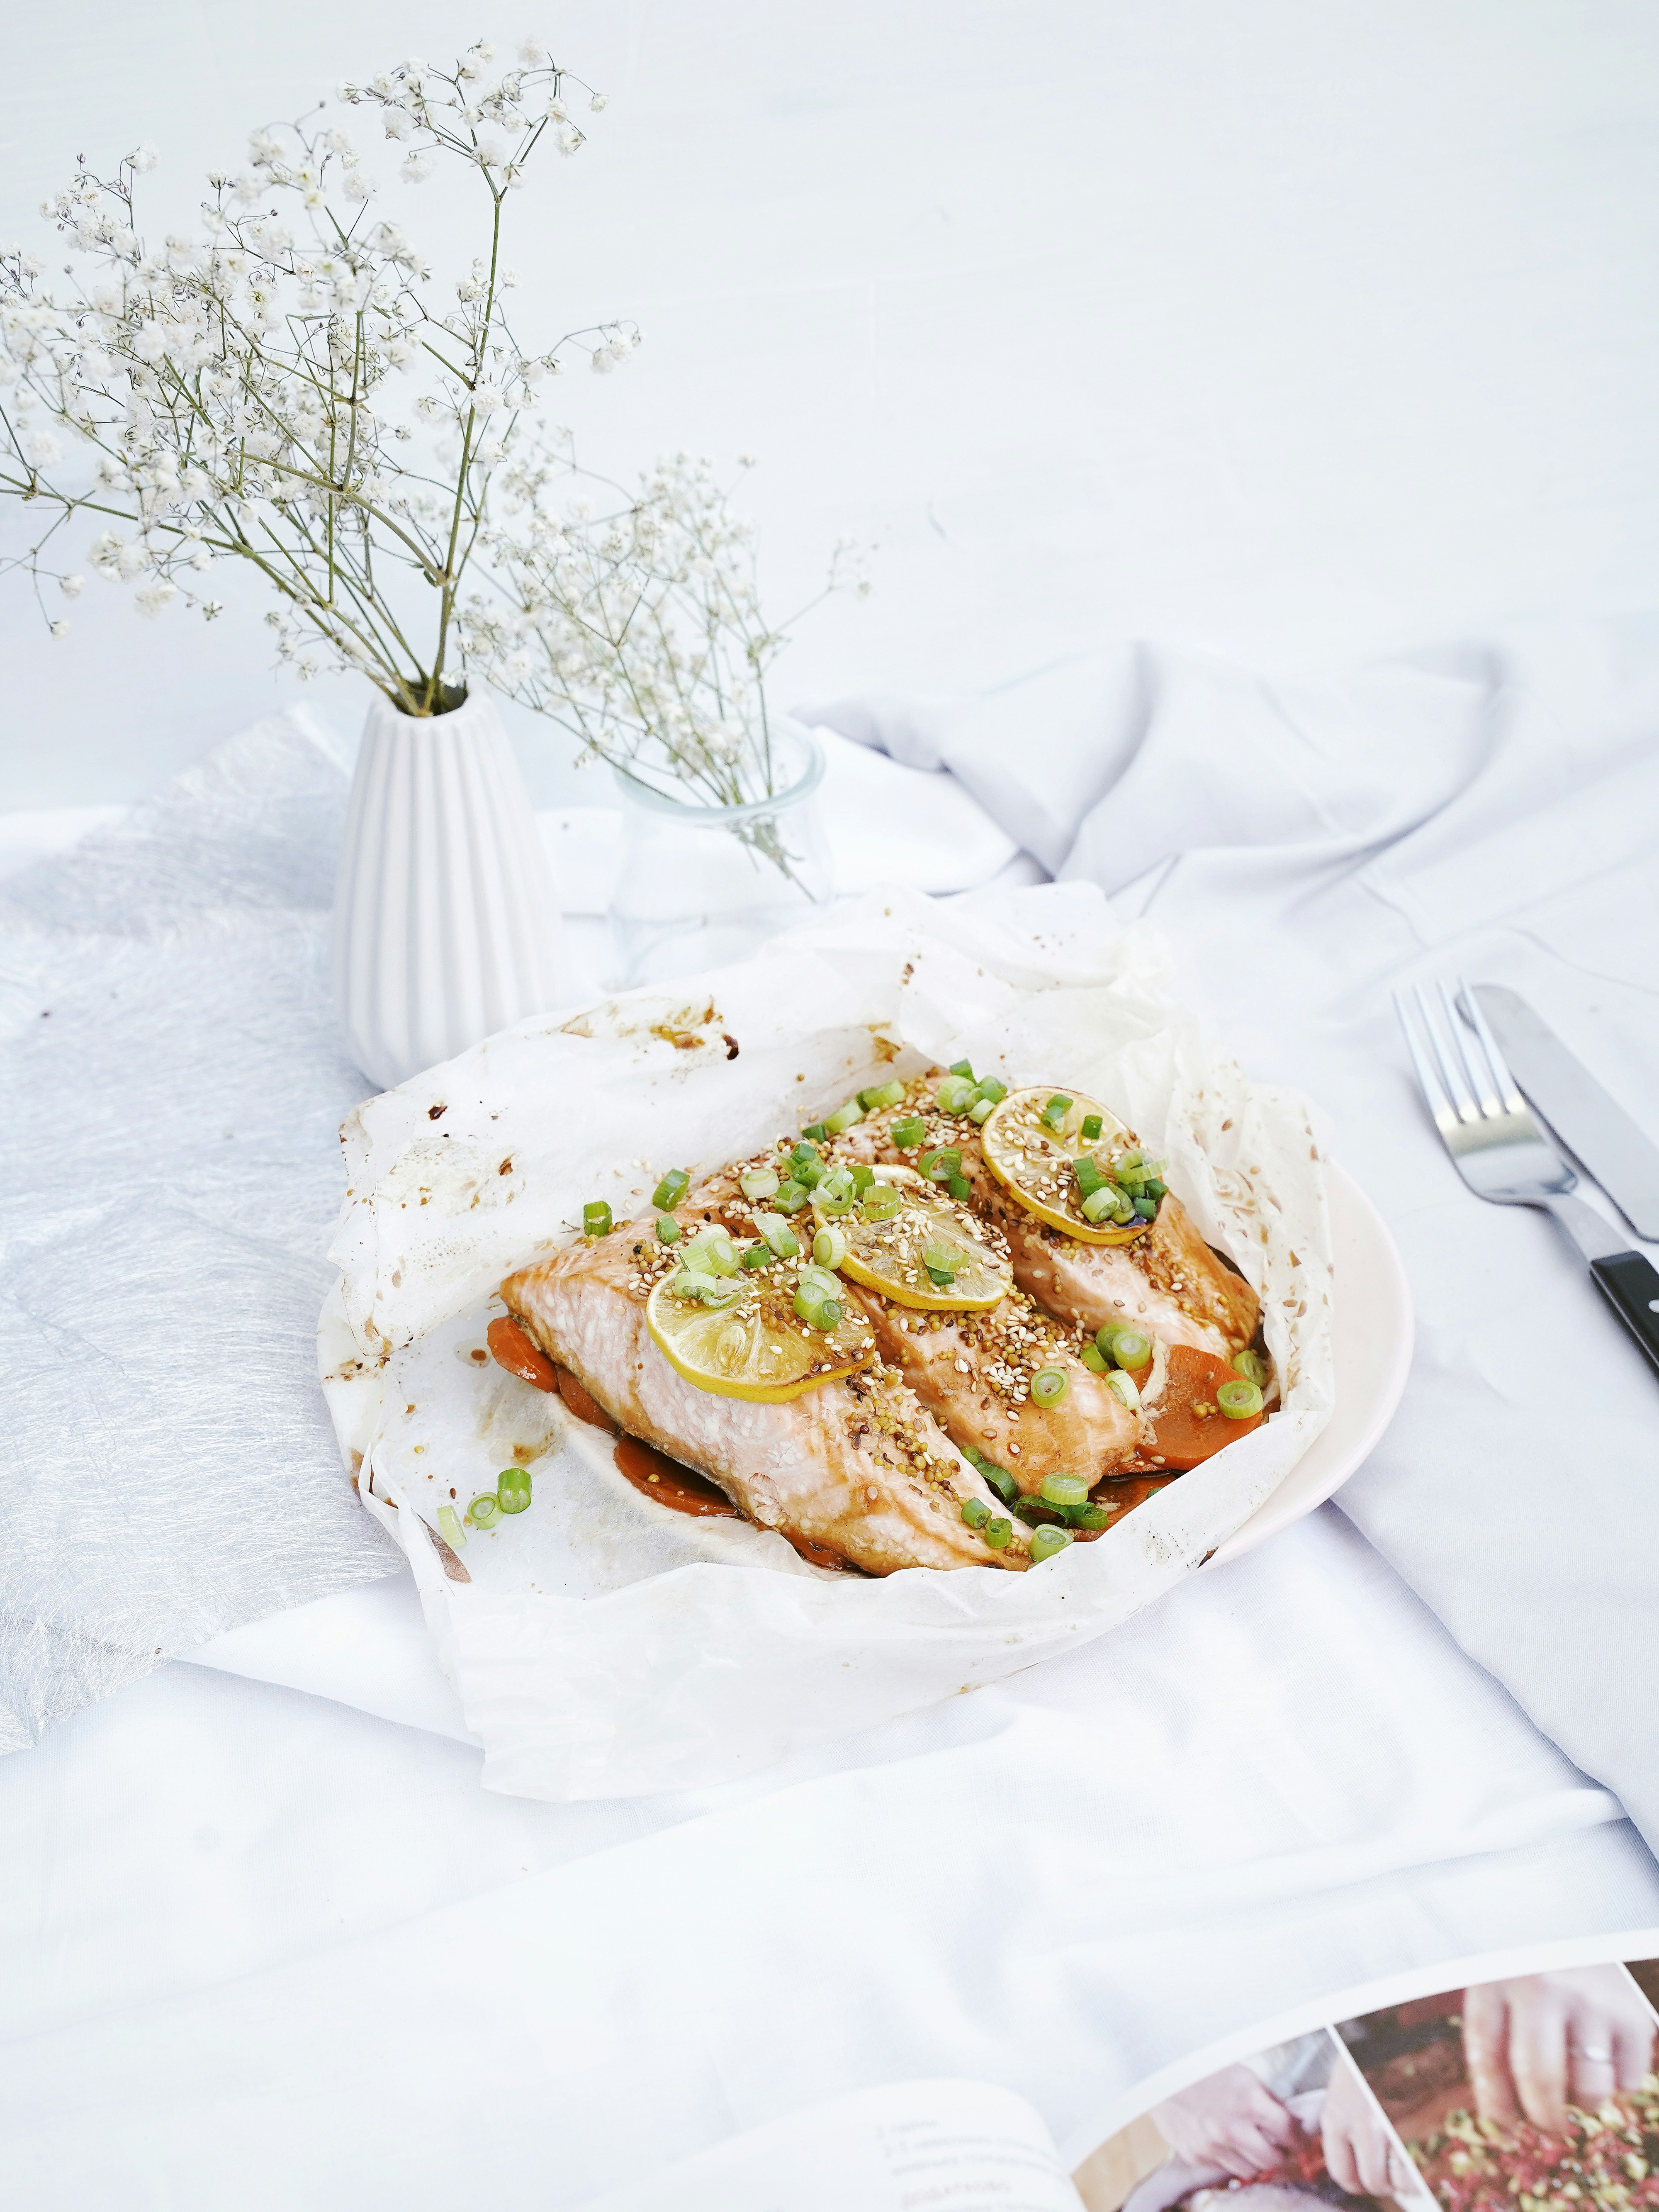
1361,2153
1227,2120
1540,2041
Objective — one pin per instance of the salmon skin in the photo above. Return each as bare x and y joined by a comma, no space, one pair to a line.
1168,1283
856,1467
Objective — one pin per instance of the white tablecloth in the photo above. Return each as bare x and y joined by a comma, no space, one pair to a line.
244,1902
255,1936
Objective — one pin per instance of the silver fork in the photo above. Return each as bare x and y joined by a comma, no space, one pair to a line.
1501,1153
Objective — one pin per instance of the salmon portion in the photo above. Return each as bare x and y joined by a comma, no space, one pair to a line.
973,1372
1168,1283
856,1467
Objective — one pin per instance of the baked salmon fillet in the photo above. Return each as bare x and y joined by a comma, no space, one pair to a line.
1167,1283
854,1467
973,1371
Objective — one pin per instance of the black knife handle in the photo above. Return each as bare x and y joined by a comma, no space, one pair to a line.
1630,1285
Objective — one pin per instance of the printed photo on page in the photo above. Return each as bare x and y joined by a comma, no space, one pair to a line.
1530,2088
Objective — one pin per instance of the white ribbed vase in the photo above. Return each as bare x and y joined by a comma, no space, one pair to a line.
445,928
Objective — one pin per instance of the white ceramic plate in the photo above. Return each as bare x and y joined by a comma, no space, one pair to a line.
370,1647
1371,1331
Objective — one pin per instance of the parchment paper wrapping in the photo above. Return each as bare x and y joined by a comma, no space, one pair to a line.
605,1647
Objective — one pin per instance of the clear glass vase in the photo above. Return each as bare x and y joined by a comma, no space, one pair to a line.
701,885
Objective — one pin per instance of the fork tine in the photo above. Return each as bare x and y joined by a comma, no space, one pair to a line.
1480,1082
1456,1089
1509,1091
1434,1095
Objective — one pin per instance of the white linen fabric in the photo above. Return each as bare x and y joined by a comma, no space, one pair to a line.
260,1939
1305,847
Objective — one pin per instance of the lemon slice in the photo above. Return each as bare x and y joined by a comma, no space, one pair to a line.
1033,1160
754,1345
891,1256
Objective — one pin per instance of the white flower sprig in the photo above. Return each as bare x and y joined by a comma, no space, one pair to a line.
285,387
635,623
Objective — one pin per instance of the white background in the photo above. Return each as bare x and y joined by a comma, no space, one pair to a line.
1290,331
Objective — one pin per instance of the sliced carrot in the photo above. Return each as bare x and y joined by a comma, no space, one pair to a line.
1186,1436
510,1346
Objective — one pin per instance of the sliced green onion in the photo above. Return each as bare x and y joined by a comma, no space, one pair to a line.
1000,1481
758,1183
1252,1367
1088,1516
1108,1200
972,1452
781,1238
863,1177
711,1252
1146,1208
1130,1348
484,1509
1049,1386
513,1489
670,1190
1239,1400
668,1229
982,1110
829,1248
814,1130
960,1188
844,1116
830,1315
996,1533
1045,1542
956,1094
975,1512
1125,1387
1065,1489
810,1172
941,1163
880,1095
1090,1175
908,1134
991,1092
1056,1110
1133,1162
692,1283
882,1202
940,1259
596,1219
450,1528
820,1282
1155,1189
756,1256
789,1197
1036,1515
804,1148
1092,1360
963,1067
836,1193
1091,1126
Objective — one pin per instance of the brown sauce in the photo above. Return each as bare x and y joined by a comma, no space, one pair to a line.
510,1346
655,1475
581,1405
820,1555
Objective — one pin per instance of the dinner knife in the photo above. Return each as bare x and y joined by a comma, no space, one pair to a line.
1594,1127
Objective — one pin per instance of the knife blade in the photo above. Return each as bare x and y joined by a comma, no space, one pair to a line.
1595,1128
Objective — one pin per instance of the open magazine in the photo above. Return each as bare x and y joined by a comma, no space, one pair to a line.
1524,2082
